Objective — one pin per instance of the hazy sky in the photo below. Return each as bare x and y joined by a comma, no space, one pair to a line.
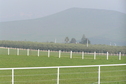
18,9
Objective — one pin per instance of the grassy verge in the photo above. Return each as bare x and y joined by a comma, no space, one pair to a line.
109,75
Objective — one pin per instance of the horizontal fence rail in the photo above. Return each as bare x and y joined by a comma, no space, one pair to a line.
38,52
61,67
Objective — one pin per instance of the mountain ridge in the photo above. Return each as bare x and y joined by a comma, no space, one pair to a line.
74,22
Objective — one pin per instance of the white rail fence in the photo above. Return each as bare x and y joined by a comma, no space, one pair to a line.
61,67
60,52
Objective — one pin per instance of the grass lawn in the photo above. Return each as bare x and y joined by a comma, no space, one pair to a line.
109,75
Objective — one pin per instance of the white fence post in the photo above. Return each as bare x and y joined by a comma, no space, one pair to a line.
119,55
99,74
38,52
48,53
59,53
18,51
12,76
27,52
58,75
82,55
71,54
94,55
107,56
8,51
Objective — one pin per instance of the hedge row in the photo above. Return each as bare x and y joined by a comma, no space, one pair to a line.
64,47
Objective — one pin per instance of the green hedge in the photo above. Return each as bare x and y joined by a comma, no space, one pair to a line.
63,47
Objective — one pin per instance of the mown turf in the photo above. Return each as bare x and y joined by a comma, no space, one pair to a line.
109,75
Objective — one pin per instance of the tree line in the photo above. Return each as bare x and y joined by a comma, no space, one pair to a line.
64,47
83,40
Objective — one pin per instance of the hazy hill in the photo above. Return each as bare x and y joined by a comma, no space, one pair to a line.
100,26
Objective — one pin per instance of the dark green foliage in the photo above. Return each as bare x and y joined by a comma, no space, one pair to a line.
64,47
84,40
73,40
66,39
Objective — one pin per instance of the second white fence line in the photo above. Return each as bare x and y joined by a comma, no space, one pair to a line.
58,69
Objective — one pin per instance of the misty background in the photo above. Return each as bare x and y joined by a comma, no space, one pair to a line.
102,21
28,9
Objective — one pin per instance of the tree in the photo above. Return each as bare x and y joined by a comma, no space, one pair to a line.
84,40
73,40
66,39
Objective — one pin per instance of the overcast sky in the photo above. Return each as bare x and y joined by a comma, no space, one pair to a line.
17,9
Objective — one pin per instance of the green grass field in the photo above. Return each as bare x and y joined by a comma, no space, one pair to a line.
89,75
